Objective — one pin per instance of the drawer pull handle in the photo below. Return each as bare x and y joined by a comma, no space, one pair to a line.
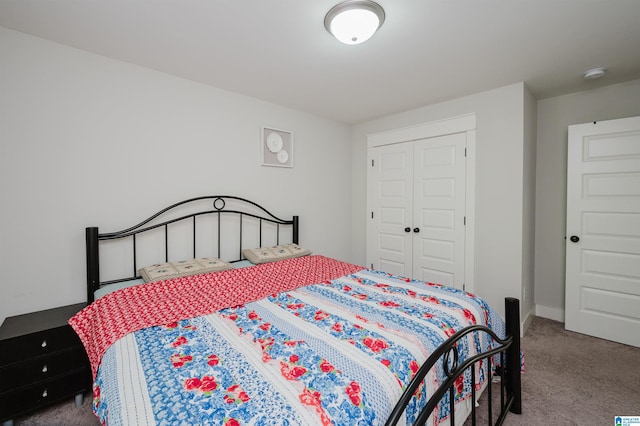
44,394
44,369
44,344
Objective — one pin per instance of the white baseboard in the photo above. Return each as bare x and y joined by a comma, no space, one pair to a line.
526,320
555,314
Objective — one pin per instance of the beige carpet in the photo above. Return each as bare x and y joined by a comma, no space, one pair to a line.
570,379
574,379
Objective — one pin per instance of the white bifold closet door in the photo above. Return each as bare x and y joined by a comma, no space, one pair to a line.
416,194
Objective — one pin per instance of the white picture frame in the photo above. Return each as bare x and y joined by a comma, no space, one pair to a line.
276,146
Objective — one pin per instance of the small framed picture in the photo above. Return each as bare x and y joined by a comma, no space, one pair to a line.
277,147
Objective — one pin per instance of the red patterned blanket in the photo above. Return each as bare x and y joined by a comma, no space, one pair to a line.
116,314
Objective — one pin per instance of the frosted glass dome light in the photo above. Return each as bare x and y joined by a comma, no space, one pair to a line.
354,21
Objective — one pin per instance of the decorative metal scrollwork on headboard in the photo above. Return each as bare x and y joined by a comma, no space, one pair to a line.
215,203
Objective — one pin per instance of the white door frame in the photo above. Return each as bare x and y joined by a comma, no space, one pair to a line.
464,123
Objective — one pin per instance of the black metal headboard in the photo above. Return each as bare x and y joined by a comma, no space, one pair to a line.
246,209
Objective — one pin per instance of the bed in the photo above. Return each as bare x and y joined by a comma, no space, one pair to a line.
274,334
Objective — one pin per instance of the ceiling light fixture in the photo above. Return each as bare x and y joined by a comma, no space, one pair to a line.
595,73
354,21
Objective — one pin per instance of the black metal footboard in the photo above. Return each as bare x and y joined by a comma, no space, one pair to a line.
509,369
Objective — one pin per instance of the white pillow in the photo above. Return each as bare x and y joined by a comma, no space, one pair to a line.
272,254
163,271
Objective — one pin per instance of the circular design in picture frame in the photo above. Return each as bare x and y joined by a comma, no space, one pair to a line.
282,156
274,142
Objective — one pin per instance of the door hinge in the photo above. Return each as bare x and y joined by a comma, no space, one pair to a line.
464,221
372,162
371,215
465,152
372,266
464,287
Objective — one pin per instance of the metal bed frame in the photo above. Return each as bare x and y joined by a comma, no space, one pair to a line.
506,350
509,370
247,209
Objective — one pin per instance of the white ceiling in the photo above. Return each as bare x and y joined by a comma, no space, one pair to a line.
427,51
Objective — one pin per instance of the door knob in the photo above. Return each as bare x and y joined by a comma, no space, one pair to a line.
574,238
416,229
407,229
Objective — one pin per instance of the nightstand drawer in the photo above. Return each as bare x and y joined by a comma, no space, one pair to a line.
42,368
32,345
13,404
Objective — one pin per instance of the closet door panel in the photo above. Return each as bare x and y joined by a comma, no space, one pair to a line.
390,193
439,209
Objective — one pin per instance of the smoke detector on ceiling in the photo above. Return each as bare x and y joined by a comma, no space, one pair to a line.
594,73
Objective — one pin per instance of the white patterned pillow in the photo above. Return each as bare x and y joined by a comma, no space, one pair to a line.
164,271
272,254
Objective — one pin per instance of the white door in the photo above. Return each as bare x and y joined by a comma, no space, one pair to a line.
416,198
603,230
390,197
439,210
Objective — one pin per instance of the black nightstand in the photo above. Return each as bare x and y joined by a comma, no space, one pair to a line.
42,362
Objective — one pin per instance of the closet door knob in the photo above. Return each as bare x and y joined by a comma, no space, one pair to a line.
416,230
407,229
574,238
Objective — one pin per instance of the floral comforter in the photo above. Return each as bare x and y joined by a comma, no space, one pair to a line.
337,352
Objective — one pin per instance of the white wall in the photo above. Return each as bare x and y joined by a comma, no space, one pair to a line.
86,140
500,184
90,141
554,116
